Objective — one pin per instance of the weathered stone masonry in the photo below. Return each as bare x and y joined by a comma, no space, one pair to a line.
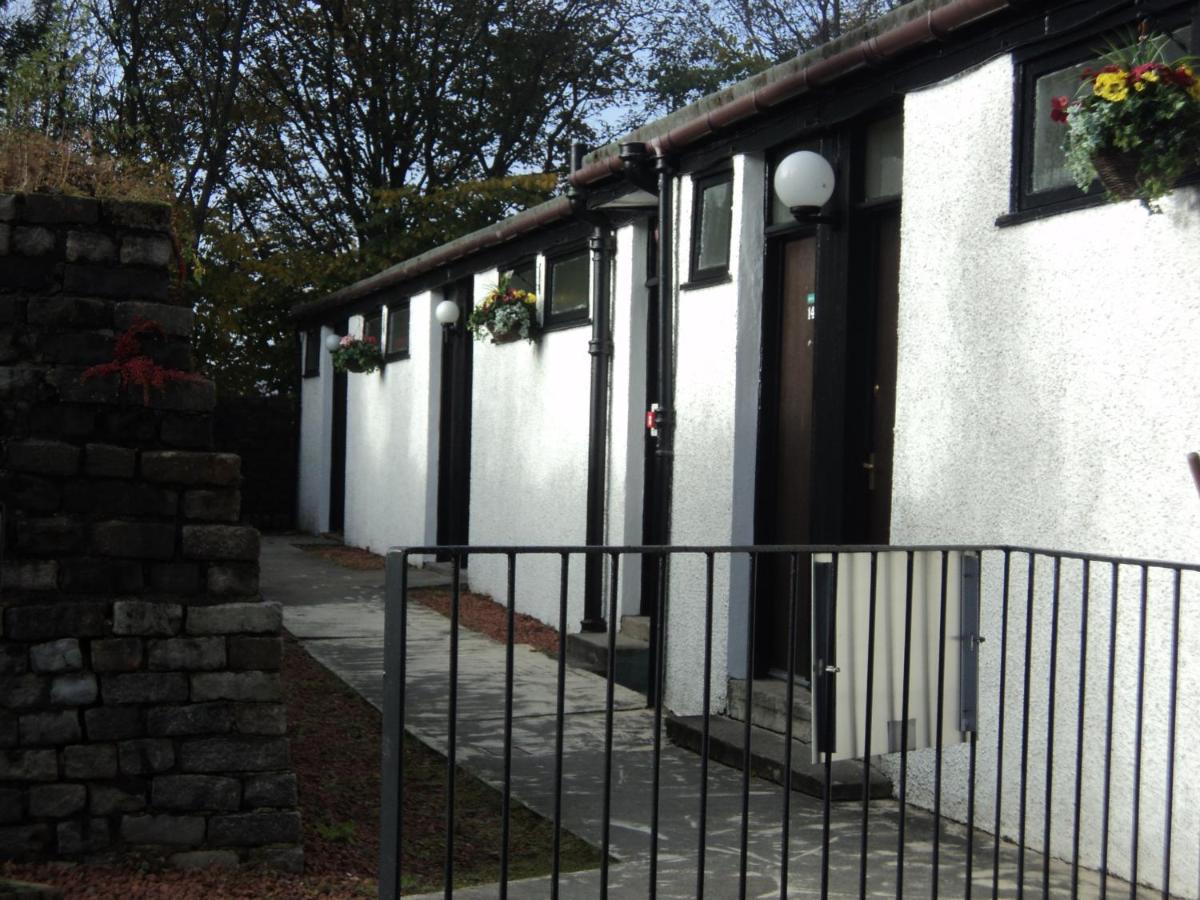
139,686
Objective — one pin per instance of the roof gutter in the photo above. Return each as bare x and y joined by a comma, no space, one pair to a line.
934,25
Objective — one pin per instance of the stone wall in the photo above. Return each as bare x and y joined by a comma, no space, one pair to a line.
265,433
139,688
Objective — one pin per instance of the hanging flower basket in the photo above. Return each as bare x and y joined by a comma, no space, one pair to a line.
505,315
358,356
1135,123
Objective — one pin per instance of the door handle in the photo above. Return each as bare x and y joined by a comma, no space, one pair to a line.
869,465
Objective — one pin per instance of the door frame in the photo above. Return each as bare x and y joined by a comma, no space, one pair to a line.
336,520
454,423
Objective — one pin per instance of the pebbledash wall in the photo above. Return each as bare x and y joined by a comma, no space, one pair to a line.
139,689
1046,396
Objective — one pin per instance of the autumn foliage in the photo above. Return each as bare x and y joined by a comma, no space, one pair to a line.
134,366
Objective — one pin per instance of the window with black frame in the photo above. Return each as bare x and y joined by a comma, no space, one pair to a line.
568,287
521,276
396,346
1042,180
373,326
312,353
712,222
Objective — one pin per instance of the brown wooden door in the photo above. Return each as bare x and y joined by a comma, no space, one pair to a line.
786,479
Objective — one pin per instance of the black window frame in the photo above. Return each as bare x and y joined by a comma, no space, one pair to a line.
388,353
521,263
1047,57
373,315
310,361
698,277
551,320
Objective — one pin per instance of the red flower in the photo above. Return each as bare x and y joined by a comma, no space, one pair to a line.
1181,77
1058,108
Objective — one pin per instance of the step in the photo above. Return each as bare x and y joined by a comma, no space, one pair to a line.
770,704
589,651
726,744
636,627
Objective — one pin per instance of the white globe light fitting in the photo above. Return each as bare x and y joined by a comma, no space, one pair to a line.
447,312
332,342
804,181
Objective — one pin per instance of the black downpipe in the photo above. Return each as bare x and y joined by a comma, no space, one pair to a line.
601,348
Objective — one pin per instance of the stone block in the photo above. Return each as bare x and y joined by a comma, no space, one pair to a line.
69,312
108,461
30,575
190,467
147,756
77,348
12,805
132,425
23,691
24,840
199,395
235,618
90,246
146,250
28,765
75,689
100,576
60,209
264,653
5,239
187,431
175,578
56,801
76,838
50,728
193,793
145,687
32,240
62,655
44,622
140,540
72,387
278,789
49,536
28,273
63,420
178,831
175,321
192,719
220,542
259,687
260,718
279,859
213,506
13,659
117,654
40,457
233,754
90,761
204,859
121,284
233,580
253,829
10,734
138,214
120,498
188,654
112,723
8,207
126,797
30,493
142,617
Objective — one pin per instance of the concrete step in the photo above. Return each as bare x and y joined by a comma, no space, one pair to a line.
770,704
636,627
589,651
726,744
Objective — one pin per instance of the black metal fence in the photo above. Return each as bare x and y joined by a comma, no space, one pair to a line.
1026,705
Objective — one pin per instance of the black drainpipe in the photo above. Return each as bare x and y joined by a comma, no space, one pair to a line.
600,347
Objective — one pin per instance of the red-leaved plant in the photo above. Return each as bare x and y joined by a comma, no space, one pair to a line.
134,366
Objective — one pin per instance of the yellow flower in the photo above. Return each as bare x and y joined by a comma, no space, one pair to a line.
1111,86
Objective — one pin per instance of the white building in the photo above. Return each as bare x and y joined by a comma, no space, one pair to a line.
973,352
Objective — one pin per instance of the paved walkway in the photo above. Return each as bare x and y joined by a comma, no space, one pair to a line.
338,615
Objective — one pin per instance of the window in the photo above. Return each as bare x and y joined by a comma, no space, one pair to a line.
522,276
1042,181
312,353
567,289
884,164
373,325
397,331
712,219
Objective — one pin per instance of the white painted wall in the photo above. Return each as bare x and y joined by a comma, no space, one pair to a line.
1047,396
391,441
316,414
716,391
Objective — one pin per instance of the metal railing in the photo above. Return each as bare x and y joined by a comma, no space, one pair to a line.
1050,713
